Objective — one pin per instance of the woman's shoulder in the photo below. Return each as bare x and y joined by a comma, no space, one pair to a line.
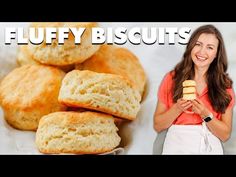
169,76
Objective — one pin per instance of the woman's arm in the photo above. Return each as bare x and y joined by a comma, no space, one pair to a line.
164,118
220,128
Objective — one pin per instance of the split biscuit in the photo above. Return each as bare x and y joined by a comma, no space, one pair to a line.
109,93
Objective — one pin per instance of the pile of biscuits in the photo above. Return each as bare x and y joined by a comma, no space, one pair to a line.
73,96
189,90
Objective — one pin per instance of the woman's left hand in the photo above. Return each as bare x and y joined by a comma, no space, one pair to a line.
199,108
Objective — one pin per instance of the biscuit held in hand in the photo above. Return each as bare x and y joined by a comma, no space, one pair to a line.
189,90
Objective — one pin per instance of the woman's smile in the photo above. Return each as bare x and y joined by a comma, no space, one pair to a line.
201,58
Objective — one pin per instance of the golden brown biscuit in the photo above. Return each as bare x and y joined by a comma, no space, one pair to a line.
189,96
69,52
189,90
189,83
30,92
107,93
116,60
77,133
24,58
118,121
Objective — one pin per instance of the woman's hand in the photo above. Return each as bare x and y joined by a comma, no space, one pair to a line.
200,108
183,105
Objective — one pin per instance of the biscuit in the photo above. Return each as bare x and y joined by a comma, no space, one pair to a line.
116,60
69,52
24,58
189,90
190,96
189,83
77,133
30,92
118,121
109,93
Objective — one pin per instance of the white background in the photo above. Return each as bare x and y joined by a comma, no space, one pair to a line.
138,136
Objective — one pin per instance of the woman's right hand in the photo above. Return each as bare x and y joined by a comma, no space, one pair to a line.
183,105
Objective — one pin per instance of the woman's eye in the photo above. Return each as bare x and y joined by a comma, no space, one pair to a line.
210,48
197,44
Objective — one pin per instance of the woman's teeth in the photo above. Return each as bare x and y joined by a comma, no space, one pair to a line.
201,58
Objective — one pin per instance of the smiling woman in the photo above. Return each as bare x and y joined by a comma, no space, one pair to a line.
205,49
210,123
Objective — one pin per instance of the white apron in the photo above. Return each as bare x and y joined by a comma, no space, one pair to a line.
191,139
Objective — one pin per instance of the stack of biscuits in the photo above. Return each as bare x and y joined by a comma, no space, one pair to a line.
189,90
73,96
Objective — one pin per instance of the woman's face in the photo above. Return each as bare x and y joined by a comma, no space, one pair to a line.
205,50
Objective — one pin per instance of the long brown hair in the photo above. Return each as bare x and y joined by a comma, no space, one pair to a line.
217,78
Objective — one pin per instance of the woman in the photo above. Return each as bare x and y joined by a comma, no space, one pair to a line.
201,130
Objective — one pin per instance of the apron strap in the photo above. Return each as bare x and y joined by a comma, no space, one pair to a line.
205,143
